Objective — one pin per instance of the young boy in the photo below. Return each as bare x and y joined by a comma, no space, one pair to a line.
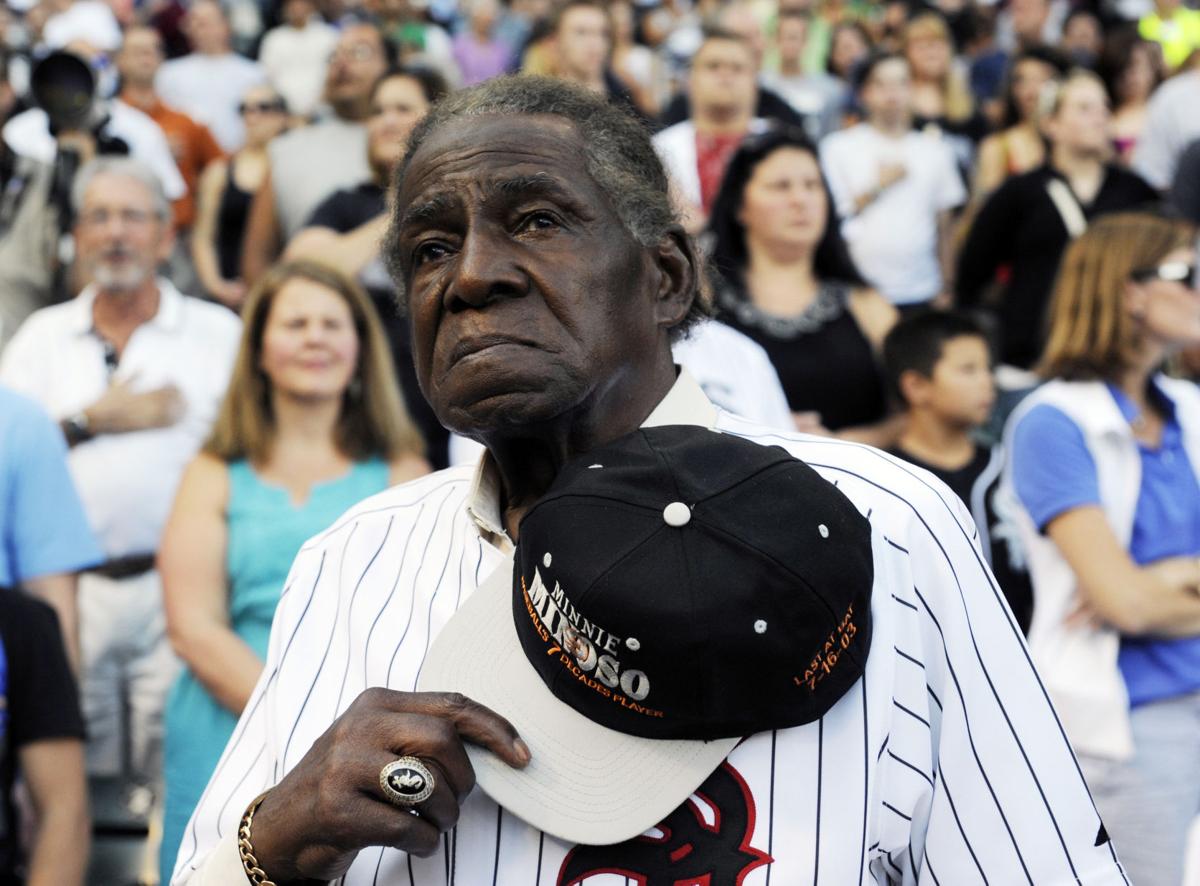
939,368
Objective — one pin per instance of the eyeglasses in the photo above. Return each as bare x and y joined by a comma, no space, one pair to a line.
1171,271
275,107
98,218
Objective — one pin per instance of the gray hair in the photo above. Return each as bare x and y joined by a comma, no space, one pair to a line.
125,167
618,154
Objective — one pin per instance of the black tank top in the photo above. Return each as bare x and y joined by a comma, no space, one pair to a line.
231,226
824,361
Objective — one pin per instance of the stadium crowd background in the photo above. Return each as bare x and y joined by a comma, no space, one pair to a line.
915,215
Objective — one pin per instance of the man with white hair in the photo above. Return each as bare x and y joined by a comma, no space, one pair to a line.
134,371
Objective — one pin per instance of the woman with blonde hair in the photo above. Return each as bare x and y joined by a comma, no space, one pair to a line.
941,93
311,424
1103,463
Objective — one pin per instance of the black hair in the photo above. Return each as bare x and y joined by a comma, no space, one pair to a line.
852,25
1044,54
433,85
918,342
1116,57
729,254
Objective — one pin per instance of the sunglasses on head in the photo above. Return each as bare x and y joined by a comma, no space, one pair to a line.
1171,271
261,107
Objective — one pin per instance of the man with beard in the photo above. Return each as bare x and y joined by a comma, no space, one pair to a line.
545,274
134,371
310,163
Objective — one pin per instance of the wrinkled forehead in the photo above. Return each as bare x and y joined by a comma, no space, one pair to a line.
470,155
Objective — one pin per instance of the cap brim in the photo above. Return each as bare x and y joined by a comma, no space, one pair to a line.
585,783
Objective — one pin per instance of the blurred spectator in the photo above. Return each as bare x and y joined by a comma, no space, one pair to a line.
1175,27
639,69
1025,24
346,229
312,424
1019,146
134,371
208,83
41,744
788,282
939,369
849,46
478,52
1103,460
226,191
739,20
44,534
895,188
404,24
582,41
818,97
309,164
108,127
192,145
1028,222
941,94
1132,69
1171,125
721,93
1082,38
294,56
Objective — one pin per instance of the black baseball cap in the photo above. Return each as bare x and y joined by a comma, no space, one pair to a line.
672,592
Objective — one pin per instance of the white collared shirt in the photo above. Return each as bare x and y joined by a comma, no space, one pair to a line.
944,764
127,481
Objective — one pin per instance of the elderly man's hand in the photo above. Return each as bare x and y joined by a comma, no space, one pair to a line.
314,822
121,410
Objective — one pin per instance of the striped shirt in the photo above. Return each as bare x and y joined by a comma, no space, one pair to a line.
945,764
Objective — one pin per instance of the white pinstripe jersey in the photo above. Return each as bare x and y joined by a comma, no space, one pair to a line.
943,765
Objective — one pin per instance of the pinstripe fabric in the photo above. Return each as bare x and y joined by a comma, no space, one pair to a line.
944,765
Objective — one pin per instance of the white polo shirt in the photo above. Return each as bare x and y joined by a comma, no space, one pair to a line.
127,481
943,765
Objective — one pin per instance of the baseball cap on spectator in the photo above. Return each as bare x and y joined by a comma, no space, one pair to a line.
673,592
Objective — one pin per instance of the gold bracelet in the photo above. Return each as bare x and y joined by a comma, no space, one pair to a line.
256,875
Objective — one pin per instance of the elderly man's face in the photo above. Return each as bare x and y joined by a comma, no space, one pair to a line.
119,238
527,296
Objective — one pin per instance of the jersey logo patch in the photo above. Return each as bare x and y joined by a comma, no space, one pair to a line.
693,849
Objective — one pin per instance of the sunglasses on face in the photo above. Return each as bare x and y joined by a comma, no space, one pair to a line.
261,108
1172,271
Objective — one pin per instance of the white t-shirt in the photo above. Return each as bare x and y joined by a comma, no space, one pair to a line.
208,88
894,241
127,481
295,60
28,134
944,764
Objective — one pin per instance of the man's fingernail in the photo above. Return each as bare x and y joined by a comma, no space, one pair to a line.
522,750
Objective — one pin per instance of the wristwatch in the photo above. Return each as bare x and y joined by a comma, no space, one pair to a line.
76,428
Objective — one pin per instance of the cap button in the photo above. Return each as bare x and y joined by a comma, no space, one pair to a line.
677,514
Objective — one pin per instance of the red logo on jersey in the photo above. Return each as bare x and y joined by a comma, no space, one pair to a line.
691,851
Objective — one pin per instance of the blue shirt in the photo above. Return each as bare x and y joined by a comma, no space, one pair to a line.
1054,472
43,528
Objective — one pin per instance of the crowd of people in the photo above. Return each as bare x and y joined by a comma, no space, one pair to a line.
959,231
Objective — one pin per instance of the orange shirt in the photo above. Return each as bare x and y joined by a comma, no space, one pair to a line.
193,147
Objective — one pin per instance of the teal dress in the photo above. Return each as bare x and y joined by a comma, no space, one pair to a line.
265,533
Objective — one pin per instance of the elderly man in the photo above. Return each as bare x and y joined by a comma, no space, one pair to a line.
134,372
545,275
